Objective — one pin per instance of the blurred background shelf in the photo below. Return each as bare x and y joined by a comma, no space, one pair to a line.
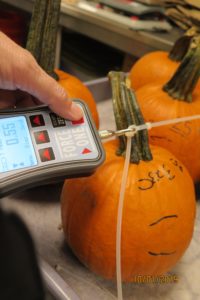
111,41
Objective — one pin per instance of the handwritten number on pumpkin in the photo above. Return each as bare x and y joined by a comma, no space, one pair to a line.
182,129
154,177
176,163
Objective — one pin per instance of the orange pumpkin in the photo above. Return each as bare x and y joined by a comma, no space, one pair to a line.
76,89
152,67
176,99
159,65
153,224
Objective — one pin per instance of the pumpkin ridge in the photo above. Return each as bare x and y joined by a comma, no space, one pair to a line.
70,216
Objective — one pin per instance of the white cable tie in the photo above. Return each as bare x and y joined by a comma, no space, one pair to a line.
148,125
131,131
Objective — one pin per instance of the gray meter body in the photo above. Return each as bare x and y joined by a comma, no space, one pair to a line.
38,147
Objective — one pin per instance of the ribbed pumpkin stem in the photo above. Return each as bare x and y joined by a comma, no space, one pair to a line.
36,28
127,112
119,113
182,84
182,45
42,33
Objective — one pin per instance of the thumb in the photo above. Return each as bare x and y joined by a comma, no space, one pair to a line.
39,84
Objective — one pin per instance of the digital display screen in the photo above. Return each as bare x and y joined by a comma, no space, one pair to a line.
16,148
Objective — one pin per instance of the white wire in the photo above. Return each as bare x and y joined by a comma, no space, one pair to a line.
119,219
149,125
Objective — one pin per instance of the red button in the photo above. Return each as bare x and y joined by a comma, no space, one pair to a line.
46,154
37,120
86,151
81,121
42,137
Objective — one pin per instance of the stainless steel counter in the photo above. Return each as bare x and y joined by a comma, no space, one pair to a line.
107,28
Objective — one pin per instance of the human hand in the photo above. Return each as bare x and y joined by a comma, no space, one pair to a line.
24,83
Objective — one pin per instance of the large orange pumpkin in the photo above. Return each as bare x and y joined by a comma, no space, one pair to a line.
159,206
160,65
176,99
76,89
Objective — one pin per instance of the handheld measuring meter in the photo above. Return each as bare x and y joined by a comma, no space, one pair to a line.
37,146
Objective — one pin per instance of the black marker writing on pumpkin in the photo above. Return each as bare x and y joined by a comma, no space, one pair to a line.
182,129
163,218
155,176
154,137
161,253
176,164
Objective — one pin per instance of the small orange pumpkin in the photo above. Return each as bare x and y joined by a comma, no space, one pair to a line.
159,206
178,98
160,65
76,89
152,67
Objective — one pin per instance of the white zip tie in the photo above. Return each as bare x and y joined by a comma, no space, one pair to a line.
104,134
120,215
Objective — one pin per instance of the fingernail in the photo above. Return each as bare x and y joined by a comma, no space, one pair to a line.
75,112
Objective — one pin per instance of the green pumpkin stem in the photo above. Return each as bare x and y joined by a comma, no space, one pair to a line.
182,44
183,82
127,112
120,117
36,28
48,47
136,114
42,33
